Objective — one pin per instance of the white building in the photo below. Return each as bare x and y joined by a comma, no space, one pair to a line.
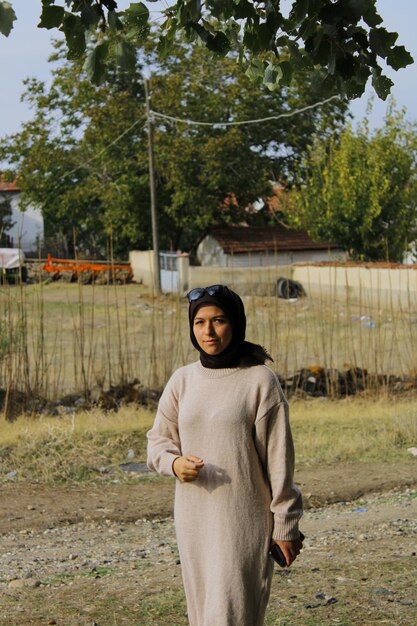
257,246
27,231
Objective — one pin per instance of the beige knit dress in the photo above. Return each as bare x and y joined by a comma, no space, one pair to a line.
236,420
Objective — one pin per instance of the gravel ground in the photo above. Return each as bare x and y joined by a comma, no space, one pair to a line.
358,567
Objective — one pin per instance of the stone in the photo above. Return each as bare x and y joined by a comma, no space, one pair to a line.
17,583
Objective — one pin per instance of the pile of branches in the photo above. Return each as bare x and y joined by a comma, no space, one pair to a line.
314,381
317,381
14,402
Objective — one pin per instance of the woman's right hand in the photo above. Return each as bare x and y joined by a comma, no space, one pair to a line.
187,468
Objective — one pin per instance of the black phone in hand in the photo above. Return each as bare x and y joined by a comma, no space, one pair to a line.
277,554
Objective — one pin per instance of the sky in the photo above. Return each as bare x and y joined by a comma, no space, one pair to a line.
25,54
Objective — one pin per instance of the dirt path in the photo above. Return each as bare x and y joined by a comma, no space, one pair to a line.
38,506
106,555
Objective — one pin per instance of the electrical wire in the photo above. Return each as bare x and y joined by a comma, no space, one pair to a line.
185,121
96,156
171,118
57,187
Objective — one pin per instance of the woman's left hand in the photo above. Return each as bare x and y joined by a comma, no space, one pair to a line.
290,549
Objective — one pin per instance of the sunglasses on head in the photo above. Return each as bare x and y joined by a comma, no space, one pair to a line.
198,292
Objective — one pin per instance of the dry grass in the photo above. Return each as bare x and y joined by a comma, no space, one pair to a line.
127,419
85,447
79,448
353,429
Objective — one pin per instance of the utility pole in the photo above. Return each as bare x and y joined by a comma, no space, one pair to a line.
155,241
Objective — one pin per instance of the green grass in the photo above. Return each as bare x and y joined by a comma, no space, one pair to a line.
162,608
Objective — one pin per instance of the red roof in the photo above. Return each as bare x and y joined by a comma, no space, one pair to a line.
277,238
5,186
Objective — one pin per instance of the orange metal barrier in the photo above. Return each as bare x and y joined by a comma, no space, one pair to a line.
72,265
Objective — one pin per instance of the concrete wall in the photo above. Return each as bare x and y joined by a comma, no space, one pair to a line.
371,285
377,286
260,281
247,280
142,263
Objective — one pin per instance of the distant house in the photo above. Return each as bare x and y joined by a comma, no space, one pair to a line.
27,231
254,246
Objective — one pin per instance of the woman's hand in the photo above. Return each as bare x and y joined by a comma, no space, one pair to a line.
290,549
187,468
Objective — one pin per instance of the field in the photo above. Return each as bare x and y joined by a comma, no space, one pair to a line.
85,542
59,338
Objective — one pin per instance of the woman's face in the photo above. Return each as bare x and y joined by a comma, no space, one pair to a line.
212,329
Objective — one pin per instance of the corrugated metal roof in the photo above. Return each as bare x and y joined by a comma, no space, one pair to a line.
241,239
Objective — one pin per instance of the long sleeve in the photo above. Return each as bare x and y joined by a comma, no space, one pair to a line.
274,443
163,439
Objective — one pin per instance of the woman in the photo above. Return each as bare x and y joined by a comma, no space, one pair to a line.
222,429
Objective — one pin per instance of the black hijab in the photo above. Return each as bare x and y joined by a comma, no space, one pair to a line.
239,351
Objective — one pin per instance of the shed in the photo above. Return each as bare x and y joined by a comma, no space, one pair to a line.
254,246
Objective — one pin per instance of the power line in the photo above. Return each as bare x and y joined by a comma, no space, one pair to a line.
171,118
56,188
96,156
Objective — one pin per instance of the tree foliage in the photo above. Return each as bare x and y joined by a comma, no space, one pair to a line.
361,190
83,158
209,174
86,187
341,40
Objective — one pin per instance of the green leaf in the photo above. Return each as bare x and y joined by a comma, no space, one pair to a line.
51,17
331,65
323,50
346,67
371,16
219,43
166,40
114,21
193,8
7,17
244,9
74,32
359,7
90,16
382,85
299,10
136,18
95,62
272,76
399,57
125,54
308,28
381,41
354,87
264,37
201,32
287,72
360,36
164,46
255,71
